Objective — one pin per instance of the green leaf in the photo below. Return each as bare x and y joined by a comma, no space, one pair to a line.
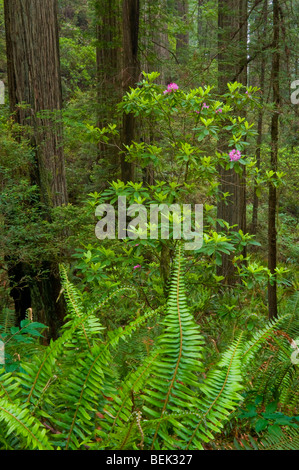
261,424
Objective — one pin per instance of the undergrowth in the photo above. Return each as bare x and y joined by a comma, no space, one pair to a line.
79,392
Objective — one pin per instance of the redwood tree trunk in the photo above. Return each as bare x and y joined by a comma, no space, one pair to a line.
260,123
182,39
130,77
109,91
232,25
34,79
272,232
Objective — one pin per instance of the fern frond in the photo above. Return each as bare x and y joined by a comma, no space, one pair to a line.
84,389
38,372
172,386
221,389
286,439
17,419
7,319
273,374
9,386
259,338
119,413
102,302
91,326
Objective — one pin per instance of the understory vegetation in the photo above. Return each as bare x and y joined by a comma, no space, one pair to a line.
158,382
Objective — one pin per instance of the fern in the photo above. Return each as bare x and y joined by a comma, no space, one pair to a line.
259,338
19,421
84,389
171,389
7,319
222,389
287,439
283,440
274,376
120,413
69,397
88,328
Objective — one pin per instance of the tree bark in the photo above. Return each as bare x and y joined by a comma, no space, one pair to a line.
34,79
272,211
130,77
259,124
232,16
108,69
33,68
182,39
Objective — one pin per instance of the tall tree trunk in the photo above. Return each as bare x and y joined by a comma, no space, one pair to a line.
130,77
34,79
232,47
272,233
156,41
259,123
182,39
108,69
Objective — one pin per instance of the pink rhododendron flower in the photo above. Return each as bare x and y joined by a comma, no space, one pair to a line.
234,155
137,266
205,106
219,110
171,87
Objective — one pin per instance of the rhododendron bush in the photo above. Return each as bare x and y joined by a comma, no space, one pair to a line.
184,135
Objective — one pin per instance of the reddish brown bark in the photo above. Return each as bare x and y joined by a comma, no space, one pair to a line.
36,100
130,77
232,24
272,231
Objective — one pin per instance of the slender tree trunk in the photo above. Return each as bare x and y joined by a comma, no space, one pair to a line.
259,124
231,20
258,163
182,39
157,41
130,77
272,232
34,79
108,69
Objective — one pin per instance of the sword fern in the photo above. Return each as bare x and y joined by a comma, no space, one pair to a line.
69,397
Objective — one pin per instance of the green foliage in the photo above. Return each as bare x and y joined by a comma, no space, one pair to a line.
19,421
186,126
78,64
135,370
275,439
70,395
